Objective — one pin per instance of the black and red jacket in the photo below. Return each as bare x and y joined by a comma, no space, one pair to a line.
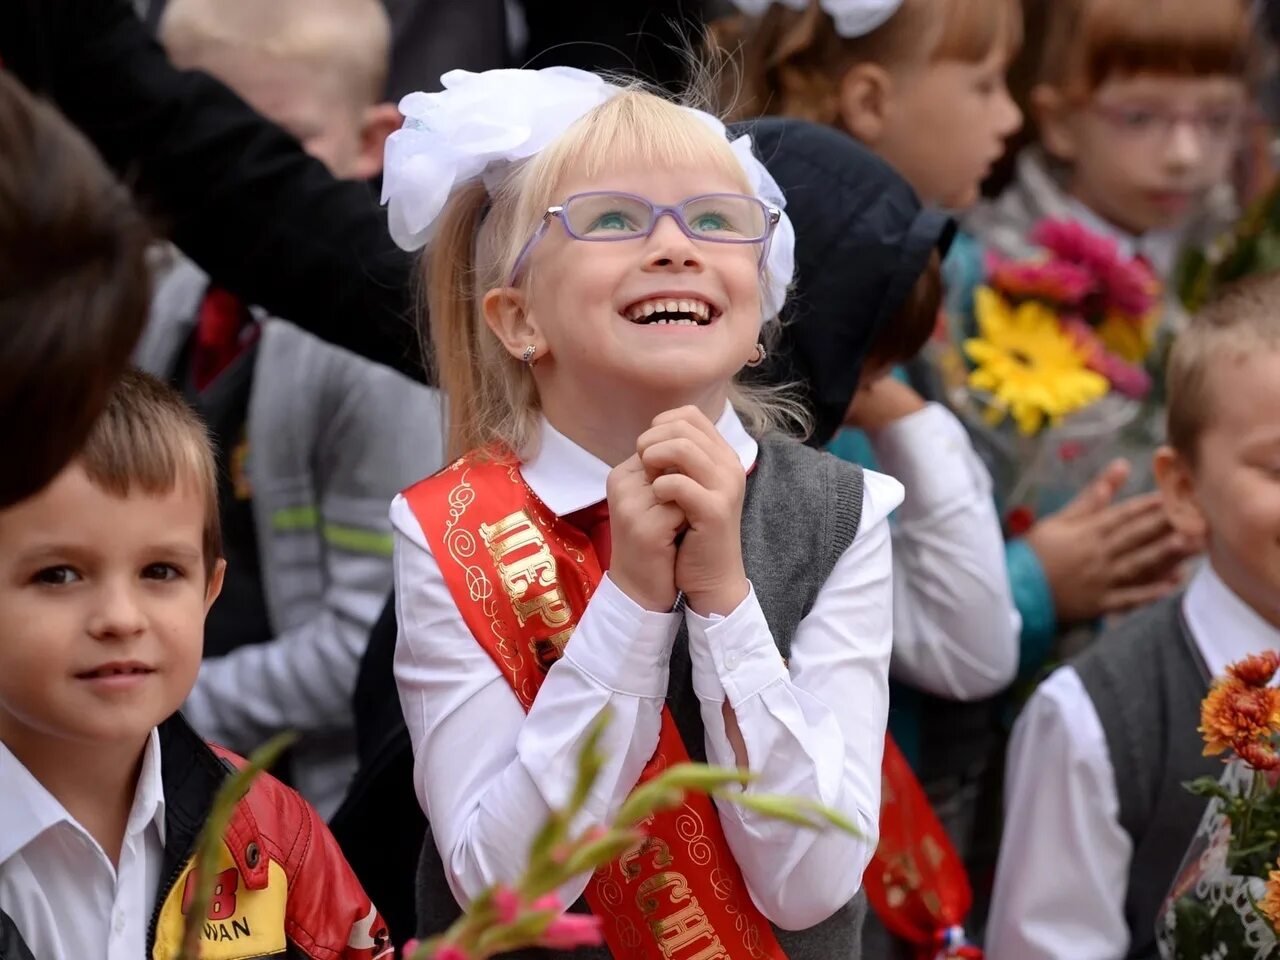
283,887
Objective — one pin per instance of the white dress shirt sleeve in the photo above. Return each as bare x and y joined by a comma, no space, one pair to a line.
1064,858
813,727
487,774
955,628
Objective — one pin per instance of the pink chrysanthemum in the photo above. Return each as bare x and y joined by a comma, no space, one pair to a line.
1125,378
1125,285
1056,281
1074,242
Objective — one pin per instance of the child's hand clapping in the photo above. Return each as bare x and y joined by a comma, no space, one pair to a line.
695,470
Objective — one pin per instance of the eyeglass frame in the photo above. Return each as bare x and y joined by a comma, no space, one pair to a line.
1168,120
772,216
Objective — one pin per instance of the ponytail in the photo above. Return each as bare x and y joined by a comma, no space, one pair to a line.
491,398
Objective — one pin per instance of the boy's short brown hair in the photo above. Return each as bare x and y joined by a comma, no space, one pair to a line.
74,289
1082,43
1241,320
148,438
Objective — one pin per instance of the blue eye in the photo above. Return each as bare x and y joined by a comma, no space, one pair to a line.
613,220
711,223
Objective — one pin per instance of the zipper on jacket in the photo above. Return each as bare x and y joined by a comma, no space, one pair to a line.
163,897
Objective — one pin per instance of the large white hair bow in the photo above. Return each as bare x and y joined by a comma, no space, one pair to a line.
482,122
853,18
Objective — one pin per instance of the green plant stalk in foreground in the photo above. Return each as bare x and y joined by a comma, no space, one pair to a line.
505,919
556,857
210,841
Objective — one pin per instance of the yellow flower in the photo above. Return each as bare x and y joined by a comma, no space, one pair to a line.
1027,363
1130,340
1270,905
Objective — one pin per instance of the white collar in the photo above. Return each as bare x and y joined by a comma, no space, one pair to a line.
30,809
1159,247
567,478
1224,627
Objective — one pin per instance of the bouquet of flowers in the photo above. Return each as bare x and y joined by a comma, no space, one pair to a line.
1053,375
1225,902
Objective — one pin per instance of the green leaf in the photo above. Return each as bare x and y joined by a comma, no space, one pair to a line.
590,762
797,810
646,799
209,843
702,778
599,852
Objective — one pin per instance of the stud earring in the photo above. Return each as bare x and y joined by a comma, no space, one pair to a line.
757,356
529,352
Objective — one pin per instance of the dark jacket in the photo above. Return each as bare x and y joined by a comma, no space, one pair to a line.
290,892
235,192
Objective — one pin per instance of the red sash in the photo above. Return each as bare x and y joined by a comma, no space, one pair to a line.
521,578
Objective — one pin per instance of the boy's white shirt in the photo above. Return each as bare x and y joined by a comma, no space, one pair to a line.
1064,860
955,625
486,774
58,885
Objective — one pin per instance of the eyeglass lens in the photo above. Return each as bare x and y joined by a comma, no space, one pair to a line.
723,217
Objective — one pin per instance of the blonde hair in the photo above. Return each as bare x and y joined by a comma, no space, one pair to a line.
149,439
791,62
1242,321
1084,42
493,400
349,36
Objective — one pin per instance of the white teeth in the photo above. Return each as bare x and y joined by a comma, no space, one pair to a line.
698,310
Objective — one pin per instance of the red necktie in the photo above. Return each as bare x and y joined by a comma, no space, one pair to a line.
224,329
594,522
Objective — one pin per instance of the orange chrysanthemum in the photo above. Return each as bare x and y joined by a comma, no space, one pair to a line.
1257,670
1234,715
1270,903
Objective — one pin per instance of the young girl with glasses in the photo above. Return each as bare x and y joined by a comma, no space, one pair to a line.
1139,111
626,530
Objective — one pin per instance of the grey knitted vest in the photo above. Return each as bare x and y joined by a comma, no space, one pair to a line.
1146,680
801,512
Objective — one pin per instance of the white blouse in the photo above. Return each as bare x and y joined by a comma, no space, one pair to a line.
487,774
59,886
955,626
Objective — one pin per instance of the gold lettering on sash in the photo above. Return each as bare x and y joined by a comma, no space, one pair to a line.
681,929
661,858
676,919
525,563
521,569
550,606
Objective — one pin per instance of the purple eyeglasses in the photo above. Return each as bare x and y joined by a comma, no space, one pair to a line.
603,216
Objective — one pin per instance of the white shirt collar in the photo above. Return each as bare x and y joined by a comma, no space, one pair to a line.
1160,247
567,478
30,809
1224,627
